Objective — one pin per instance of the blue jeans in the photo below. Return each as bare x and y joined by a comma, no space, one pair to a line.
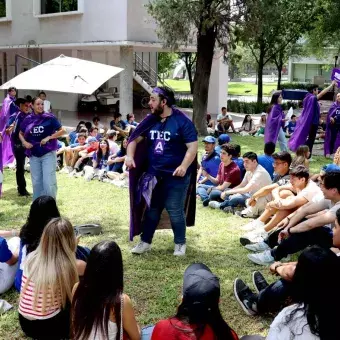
146,332
235,200
169,193
43,174
202,191
282,140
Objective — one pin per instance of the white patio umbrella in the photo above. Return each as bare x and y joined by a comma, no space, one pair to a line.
64,74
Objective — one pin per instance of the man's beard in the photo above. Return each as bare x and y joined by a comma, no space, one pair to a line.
158,111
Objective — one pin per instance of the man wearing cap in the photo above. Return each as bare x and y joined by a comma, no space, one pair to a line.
228,176
224,121
161,156
210,161
222,139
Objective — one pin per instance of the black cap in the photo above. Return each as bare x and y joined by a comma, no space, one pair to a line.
200,285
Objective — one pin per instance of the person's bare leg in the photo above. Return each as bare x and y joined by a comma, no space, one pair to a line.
278,217
113,175
68,156
232,126
75,157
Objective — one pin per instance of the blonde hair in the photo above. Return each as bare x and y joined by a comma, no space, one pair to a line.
301,156
52,266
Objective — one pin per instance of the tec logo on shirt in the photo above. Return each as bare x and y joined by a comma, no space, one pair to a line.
38,130
160,137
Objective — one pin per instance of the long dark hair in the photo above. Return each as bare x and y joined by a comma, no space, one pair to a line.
274,101
313,289
122,148
201,316
42,210
100,154
245,121
99,292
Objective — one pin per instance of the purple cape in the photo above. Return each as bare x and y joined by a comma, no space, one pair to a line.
137,210
304,122
6,154
273,124
330,130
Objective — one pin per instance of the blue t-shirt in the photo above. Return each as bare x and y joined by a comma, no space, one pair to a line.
291,126
103,162
121,124
40,128
267,162
5,253
118,167
73,136
211,164
239,162
167,143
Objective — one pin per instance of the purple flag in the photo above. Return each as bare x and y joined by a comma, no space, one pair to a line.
332,133
336,75
304,122
273,124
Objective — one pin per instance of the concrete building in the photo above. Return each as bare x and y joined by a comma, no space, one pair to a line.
304,69
114,32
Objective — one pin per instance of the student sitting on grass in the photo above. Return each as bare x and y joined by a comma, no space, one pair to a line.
71,138
198,316
111,137
228,176
314,312
49,274
116,162
100,309
267,159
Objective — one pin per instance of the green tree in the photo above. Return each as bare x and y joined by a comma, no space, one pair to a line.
166,62
204,23
271,26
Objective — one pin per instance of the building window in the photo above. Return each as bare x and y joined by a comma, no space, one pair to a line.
2,8
58,6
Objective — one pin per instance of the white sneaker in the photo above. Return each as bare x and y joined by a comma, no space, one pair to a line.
253,225
265,258
64,170
214,204
257,247
180,249
72,173
255,236
79,174
141,248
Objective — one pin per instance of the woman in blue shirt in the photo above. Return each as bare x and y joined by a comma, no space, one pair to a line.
39,133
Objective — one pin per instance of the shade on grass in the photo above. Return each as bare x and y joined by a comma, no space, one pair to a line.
153,281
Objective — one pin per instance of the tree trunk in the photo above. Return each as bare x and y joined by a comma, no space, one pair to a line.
205,54
279,75
189,63
260,67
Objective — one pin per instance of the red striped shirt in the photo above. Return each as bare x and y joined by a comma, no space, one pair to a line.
52,307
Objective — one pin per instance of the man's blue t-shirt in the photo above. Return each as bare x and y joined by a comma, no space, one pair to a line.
5,253
167,143
267,162
73,136
118,167
121,124
39,131
291,127
239,162
211,163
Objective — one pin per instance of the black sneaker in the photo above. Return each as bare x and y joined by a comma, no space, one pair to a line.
245,297
259,282
206,202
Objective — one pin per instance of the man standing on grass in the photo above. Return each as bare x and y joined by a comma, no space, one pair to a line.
161,157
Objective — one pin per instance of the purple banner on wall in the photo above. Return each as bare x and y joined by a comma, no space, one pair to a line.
336,75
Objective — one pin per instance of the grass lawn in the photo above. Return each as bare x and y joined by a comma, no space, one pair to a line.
153,281
233,88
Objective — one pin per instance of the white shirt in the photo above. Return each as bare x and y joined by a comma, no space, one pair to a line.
297,329
114,148
312,193
47,106
112,333
220,117
258,179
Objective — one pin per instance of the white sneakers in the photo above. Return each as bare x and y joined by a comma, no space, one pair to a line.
143,247
256,224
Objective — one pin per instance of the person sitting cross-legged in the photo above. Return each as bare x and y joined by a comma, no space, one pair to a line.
257,202
255,178
228,176
307,286
286,199
210,163
310,225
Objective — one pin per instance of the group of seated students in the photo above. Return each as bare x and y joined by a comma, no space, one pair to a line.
94,152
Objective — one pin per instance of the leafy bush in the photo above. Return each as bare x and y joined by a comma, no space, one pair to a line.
254,107
185,103
294,86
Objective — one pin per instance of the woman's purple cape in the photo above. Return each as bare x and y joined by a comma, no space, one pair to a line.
6,153
304,122
273,124
328,148
141,160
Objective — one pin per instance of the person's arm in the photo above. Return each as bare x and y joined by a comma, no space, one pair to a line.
24,142
6,255
265,191
188,159
276,191
130,152
285,270
129,320
119,159
81,266
286,204
55,135
199,174
324,91
214,180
